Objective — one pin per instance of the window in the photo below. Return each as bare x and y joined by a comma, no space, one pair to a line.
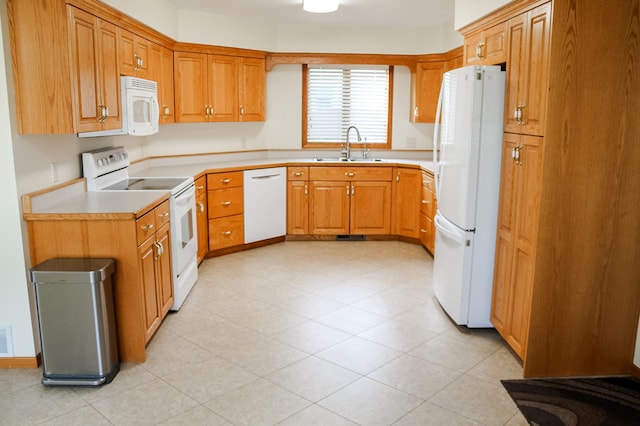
338,96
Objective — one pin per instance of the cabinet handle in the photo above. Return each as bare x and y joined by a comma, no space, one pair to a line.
425,202
200,187
424,231
138,60
104,112
352,190
201,207
225,181
226,233
226,203
415,112
479,47
166,110
147,227
163,214
298,173
350,174
241,110
158,250
398,177
161,249
347,190
306,190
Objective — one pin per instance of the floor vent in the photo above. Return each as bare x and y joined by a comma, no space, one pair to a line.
6,347
350,238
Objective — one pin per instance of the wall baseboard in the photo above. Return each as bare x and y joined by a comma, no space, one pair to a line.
21,362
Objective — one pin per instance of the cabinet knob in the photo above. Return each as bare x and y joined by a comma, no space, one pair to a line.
298,173
200,187
225,181
350,174
163,214
147,227
424,231
226,203
425,202
201,207
226,233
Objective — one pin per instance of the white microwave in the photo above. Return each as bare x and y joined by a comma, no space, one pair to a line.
140,110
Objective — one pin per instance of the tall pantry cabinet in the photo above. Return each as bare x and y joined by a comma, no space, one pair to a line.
566,295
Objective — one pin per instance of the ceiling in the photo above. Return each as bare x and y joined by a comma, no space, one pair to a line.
412,13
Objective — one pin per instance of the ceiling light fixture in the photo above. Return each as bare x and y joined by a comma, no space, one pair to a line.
320,6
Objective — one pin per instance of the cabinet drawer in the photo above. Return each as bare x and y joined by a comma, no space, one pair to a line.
145,226
225,202
428,182
162,214
426,202
201,185
224,180
226,232
297,173
350,173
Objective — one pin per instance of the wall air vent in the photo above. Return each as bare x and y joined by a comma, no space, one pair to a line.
6,341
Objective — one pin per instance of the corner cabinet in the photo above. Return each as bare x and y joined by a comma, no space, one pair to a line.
427,211
201,217
225,210
95,74
407,191
425,91
218,88
488,47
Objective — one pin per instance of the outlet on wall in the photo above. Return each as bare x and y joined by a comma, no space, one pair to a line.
54,172
6,341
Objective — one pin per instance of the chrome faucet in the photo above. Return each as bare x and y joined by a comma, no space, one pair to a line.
348,148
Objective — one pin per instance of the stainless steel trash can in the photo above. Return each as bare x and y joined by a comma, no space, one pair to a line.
74,299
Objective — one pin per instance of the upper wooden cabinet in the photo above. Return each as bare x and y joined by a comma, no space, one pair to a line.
134,55
528,71
95,79
218,87
487,47
425,91
161,71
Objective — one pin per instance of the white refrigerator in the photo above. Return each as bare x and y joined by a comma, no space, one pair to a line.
467,158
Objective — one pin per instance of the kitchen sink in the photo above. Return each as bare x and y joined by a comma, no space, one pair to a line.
350,160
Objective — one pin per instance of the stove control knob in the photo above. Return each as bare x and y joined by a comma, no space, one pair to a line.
99,162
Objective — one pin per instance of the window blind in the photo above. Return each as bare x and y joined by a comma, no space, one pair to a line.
339,97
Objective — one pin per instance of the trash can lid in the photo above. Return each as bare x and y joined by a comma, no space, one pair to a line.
73,270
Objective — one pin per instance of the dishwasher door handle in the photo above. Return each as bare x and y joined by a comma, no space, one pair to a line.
265,177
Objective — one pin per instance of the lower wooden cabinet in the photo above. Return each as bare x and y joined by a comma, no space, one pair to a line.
225,207
427,212
350,200
520,183
297,200
407,189
201,217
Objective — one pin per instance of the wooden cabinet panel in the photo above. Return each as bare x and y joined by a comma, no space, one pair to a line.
489,47
425,91
226,232
94,72
201,217
351,173
521,180
191,96
297,173
163,271
166,88
406,202
370,208
222,83
297,207
224,180
225,202
134,55
146,255
329,207
251,82
528,71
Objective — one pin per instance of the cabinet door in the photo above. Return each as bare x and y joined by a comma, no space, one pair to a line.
127,43
472,45
297,207
167,104
164,281
516,244
407,191
84,69
528,71
427,91
223,87
109,73
370,208
201,217
190,72
494,44
147,264
537,76
251,82
329,207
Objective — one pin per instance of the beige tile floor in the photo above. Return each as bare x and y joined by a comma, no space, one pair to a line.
297,333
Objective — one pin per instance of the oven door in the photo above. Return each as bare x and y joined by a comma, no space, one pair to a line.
183,228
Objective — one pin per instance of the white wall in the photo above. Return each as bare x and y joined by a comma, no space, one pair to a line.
157,14
467,11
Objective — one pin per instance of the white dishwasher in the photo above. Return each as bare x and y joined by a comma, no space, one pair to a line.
265,204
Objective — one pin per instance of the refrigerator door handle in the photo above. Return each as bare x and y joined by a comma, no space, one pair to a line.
436,141
443,227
